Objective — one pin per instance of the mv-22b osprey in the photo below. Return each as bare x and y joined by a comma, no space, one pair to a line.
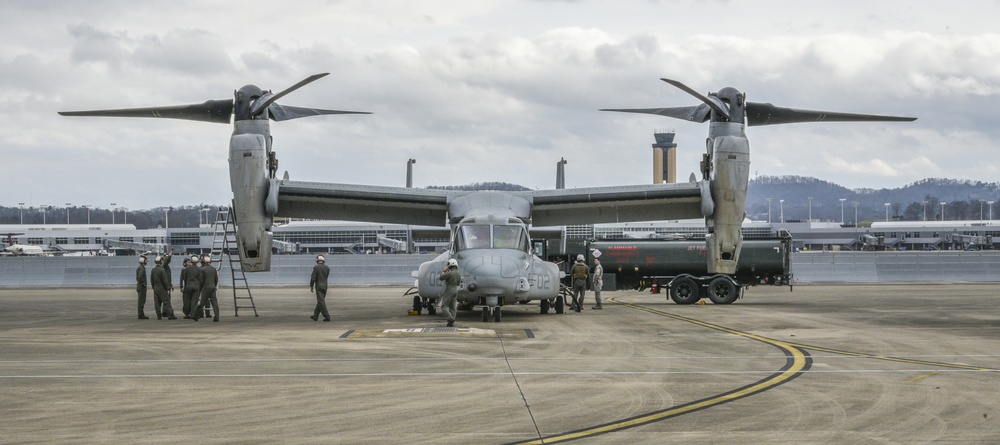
489,229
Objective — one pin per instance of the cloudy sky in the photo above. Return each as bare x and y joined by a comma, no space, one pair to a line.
486,90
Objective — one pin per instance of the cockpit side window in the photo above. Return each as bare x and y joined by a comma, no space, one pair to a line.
474,237
510,237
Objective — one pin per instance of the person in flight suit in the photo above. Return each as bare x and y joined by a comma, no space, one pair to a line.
318,281
598,282
209,278
170,276
190,285
580,273
140,286
449,297
161,291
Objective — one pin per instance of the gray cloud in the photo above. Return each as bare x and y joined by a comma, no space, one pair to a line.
490,91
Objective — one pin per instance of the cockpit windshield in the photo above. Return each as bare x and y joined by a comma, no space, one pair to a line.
477,236
474,237
510,237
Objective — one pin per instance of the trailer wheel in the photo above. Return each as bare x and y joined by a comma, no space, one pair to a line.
722,290
685,291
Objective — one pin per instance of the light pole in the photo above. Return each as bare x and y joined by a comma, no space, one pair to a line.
166,218
114,208
990,203
87,206
67,213
887,212
810,208
781,204
125,213
204,212
44,211
942,210
855,214
769,210
842,209
21,204
925,210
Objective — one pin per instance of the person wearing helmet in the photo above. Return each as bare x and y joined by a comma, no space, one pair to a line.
580,273
140,286
209,278
161,291
318,283
449,297
190,285
598,283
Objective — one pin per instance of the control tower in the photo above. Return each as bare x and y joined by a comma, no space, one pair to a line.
664,158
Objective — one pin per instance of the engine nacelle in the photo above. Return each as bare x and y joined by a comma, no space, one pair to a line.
731,174
248,177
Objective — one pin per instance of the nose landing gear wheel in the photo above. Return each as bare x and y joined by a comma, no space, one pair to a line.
496,314
545,306
486,314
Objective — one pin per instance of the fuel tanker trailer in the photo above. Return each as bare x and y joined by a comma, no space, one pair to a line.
682,266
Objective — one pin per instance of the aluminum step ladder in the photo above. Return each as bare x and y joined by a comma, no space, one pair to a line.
224,245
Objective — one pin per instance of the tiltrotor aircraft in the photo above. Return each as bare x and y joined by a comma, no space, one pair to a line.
489,229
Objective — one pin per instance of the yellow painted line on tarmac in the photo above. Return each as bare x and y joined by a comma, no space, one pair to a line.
921,377
797,361
892,359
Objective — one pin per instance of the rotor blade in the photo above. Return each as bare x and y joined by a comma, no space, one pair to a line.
699,113
266,101
717,105
768,114
283,112
218,111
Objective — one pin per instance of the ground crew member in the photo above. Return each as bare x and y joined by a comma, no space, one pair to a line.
318,281
140,286
598,282
161,291
170,275
190,285
449,297
580,275
209,278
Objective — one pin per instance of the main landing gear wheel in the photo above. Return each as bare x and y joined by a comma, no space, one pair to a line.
560,304
722,290
545,306
685,291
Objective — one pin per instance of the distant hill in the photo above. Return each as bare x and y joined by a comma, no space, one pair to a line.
481,186
963,199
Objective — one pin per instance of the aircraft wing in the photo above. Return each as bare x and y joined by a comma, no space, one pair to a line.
349,202
652,202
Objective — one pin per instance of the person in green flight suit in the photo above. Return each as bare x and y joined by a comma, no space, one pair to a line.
580,273
318,281
209,278
449,297
141,287
161,291
190,285
170,279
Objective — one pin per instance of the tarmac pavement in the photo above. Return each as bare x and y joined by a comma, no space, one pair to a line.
901,364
